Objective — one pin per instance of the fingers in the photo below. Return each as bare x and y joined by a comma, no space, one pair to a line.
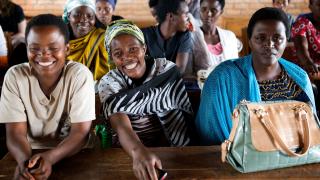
33,160
152,172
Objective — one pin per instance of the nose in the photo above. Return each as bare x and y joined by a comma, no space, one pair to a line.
269,43
43,53
209,13
84,18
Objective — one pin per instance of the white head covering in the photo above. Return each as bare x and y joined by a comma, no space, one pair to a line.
72,4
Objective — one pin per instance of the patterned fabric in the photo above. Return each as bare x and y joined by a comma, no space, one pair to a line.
122,26
282,88
304,27
228,84
72,4
89,50
161,96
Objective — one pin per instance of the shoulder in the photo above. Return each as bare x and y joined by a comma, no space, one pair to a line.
149,30
19,71
76,71
162,64
116,17
111,83
226,32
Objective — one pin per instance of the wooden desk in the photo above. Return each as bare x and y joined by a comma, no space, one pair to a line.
180,163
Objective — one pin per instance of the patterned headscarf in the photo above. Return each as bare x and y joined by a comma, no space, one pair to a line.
112,2
72,4
122,26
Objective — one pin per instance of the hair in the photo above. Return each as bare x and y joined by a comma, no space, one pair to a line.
48,20
268,13
273,1
221,2
167,6
152,3
6,7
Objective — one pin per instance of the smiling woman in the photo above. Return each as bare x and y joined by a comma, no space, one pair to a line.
261,76
129,94
86,45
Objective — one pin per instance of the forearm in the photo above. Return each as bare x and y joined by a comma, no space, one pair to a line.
68,147
19,147
130,141
302,48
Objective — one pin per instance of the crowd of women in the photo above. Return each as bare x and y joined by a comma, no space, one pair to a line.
139,75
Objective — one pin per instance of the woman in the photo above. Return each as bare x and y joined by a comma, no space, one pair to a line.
261,76
222,44
86,44
104,13
47,103
144,99
305,35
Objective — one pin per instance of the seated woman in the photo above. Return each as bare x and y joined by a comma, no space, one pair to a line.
261,76
13,22
86,44
305,35
222,44
46,103
104,13
144,99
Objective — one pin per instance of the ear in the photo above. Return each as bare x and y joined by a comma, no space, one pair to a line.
169,16
249,42
67,49
144,48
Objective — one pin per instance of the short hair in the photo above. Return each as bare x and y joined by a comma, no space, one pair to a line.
152,3
48,20
221,2
167,6
268,13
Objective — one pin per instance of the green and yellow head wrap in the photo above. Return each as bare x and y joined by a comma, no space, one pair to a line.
122,26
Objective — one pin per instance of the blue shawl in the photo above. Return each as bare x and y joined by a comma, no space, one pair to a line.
229,83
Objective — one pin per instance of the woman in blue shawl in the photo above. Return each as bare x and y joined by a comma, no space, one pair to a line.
260,76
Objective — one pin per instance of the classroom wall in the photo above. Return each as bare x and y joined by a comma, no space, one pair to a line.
137,10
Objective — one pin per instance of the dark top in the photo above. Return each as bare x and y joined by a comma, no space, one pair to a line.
98,24
10,23
157,47
283,88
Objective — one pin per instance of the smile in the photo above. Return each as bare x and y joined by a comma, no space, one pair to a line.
130,66
46,64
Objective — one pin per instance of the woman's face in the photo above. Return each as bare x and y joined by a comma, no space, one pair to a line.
82,21
210,11
315,8
104,12
47,50
268,42
281,4
128,53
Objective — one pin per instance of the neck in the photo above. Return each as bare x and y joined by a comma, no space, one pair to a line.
48,83
266,72
167,31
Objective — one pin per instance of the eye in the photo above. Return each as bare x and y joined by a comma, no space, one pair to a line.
54,49
260,38
133,49
116,54
34,49
204,9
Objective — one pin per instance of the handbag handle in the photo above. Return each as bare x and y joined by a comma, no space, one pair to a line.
273,132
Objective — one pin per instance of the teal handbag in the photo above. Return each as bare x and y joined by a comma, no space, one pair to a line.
271,135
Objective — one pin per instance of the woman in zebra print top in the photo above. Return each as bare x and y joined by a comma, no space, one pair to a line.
144,99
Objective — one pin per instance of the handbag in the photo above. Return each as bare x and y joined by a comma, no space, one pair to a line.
272,134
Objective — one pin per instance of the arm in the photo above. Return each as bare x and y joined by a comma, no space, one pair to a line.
19,147
19,36
144,161
182,61
68,147
303,54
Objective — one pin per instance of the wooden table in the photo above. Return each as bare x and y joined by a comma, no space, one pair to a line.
180,163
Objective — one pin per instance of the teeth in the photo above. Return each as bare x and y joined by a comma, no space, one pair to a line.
45,63
131,66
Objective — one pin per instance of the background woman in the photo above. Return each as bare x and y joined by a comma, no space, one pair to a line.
306,37
86,44
144,99
261,76
104,13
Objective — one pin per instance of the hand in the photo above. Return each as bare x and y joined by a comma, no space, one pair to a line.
22,173
40,166
311,67
144,163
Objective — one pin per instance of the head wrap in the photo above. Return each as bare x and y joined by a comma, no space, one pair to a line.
72,4
112,2
122,26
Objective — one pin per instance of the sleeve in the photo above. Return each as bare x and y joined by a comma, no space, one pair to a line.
12,108
185,43
82,107
300,27
3,44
